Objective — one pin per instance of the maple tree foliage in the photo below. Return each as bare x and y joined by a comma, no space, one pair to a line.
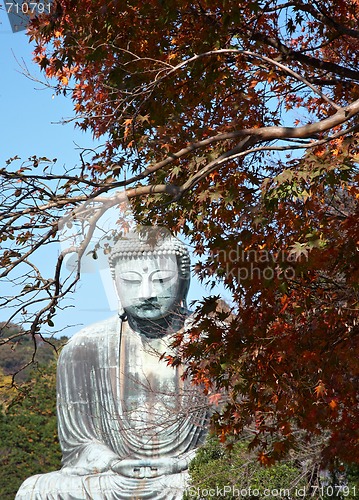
236,126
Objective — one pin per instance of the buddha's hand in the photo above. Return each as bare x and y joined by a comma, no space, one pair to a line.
94,458
84,469
149,468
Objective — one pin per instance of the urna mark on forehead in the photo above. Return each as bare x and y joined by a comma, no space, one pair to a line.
147,263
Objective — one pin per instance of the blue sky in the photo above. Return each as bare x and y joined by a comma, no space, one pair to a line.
30,124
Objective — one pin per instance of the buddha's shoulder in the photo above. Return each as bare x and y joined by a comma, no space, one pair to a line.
96,331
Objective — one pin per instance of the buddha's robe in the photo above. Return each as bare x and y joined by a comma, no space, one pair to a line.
118,401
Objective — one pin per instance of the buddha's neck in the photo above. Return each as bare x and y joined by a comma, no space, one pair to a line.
171,323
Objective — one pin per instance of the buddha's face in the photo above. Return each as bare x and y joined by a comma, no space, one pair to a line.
148,287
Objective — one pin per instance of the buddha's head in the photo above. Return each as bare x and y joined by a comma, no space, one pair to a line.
151,273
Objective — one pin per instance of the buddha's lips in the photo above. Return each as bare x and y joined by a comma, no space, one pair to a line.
148,306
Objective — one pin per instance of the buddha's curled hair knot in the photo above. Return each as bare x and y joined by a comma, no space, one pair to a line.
137,246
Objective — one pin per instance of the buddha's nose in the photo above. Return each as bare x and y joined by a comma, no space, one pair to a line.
147,290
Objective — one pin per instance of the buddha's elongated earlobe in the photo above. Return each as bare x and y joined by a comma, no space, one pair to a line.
120,309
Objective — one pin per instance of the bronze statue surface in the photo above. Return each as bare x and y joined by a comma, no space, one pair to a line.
128,423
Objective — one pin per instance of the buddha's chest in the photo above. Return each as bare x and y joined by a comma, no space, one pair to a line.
150,390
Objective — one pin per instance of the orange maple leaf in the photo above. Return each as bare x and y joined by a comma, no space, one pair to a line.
333,404
215,398
265,460
320,389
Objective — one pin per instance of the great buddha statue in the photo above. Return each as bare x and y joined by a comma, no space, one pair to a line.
128,423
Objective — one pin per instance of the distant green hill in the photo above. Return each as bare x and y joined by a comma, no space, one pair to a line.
28,432
17,352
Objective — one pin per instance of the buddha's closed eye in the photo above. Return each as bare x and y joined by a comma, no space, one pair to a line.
159,276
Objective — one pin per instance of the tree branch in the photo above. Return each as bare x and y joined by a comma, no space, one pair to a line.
289,54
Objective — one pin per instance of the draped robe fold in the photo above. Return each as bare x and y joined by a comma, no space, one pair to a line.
118,401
